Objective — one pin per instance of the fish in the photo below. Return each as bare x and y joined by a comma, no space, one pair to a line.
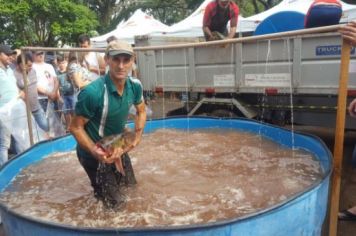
123,140
217,35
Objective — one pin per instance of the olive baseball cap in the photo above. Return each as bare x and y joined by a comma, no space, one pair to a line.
117,47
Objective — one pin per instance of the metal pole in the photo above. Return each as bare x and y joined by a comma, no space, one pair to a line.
339,137
317,30
28,111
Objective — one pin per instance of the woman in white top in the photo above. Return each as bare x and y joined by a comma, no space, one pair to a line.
78,74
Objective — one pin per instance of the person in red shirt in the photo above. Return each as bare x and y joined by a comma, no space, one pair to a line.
323,13
216,16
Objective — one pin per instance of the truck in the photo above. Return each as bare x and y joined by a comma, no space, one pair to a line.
288,79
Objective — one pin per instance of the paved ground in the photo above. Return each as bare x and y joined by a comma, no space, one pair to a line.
348,185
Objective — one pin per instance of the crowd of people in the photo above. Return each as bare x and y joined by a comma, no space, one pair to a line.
52,87
91,92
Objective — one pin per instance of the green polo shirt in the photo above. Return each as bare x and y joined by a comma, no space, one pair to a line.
90,105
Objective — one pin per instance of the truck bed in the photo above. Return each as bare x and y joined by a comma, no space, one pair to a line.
261,74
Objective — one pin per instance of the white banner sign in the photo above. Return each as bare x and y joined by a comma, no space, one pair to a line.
227,80
352,68
268,80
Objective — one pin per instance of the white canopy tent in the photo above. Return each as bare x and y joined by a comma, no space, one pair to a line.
301,6
139,23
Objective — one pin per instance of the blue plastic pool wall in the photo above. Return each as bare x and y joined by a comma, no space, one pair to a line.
302,215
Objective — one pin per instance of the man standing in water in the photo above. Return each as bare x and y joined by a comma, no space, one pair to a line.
102,110
216,16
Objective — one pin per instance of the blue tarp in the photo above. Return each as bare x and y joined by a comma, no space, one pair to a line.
281,22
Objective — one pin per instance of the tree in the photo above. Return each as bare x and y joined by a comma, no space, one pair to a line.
252,7
44,22
105,10
167,11
265,3
112,12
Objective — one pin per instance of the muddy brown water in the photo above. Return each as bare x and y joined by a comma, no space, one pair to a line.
183,178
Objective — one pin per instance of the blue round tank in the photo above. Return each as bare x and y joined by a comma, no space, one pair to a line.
303,214
281,22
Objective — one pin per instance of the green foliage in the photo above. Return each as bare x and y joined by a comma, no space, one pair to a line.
44,22
252,7
168,11
105,11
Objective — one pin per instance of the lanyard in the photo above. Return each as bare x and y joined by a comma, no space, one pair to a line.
104,113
